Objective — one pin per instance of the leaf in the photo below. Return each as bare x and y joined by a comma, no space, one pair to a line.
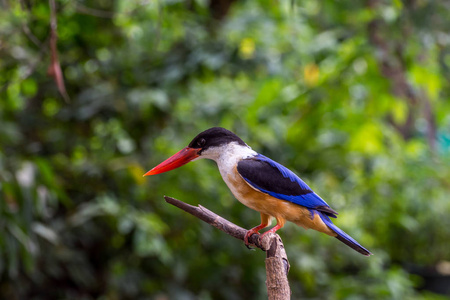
367,139
46,232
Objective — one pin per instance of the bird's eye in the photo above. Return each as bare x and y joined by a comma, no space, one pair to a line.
201,142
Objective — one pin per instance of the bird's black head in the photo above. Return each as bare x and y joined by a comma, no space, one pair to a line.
214,137
207,140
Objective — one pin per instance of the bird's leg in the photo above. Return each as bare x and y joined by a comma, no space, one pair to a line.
265,220
280,224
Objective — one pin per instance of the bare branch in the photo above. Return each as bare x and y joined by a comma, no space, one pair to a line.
215,220
54,69
277,264
394,69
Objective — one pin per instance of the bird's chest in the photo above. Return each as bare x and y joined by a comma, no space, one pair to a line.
230,175
247,195
237,185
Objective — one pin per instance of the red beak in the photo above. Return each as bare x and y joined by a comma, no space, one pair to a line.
180,158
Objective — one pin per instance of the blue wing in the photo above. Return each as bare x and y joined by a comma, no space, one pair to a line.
278,181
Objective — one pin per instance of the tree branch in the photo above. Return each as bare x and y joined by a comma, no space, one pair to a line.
54,69
391,60
277,264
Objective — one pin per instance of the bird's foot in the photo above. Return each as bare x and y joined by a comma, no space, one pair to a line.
273,230
248,234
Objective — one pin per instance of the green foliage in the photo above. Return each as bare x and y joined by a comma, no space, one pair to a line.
337,91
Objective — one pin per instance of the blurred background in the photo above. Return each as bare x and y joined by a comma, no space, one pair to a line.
352,95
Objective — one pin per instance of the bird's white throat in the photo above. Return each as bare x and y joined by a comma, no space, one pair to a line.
227,156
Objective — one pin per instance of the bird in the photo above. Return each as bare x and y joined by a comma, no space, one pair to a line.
261,184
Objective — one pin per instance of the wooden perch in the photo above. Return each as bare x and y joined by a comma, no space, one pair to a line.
277,264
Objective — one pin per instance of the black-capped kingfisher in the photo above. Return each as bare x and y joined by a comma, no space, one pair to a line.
261,184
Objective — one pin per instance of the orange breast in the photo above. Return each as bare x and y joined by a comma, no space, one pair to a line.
280,209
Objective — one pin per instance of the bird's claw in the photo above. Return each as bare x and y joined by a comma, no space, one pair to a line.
248,234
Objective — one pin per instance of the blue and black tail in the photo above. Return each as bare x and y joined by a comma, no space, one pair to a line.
343,237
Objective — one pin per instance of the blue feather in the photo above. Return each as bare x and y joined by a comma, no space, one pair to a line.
284,171
274,179
309,199
344,237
